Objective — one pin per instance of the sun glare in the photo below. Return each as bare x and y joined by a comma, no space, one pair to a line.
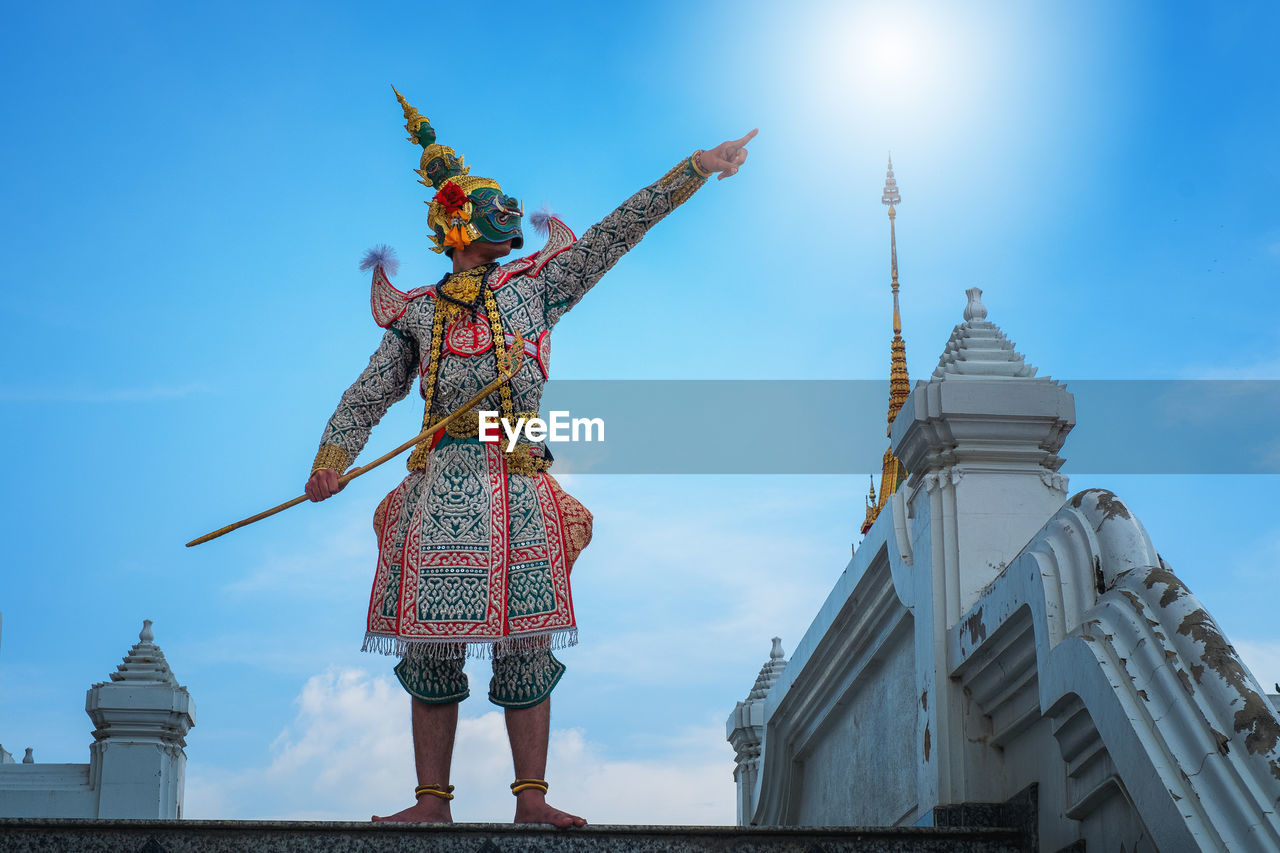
898,68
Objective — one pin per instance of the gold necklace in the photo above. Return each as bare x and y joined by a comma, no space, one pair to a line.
461,291
452,306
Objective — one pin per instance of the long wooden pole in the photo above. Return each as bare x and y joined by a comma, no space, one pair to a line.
364,469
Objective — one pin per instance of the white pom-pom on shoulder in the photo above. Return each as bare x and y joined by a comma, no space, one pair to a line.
538,219
381,256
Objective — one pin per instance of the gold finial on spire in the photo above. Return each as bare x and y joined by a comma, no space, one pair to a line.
892,472
412,118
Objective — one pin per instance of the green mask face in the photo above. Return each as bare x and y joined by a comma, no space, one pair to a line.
440,168
497,216
426,134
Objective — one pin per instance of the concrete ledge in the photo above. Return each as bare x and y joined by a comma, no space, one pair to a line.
148,836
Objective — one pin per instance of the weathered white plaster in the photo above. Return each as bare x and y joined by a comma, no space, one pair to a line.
988,635
1151,709
857,654
137,765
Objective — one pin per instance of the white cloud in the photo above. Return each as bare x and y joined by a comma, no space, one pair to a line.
693,785
347,754
339,757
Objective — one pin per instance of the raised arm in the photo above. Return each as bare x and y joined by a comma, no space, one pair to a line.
572,273
387,379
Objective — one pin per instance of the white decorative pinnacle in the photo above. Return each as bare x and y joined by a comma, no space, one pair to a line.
890,196
145,662
769,672
978,349
975,310
745,731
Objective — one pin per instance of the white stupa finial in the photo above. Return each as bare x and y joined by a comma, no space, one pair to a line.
975,310
769,672
978,349
145,661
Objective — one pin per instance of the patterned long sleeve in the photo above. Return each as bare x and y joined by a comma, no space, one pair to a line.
572,273
387,379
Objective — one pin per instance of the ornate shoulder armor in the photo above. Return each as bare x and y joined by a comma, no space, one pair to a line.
559,238
387,302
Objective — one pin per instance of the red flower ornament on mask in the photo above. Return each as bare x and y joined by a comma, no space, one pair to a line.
452,199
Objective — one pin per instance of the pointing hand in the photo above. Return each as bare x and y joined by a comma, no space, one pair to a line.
727,157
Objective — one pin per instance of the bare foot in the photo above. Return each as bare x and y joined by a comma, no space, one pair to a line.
532,807
426,810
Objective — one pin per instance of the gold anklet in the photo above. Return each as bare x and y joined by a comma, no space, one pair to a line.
529,785
435,791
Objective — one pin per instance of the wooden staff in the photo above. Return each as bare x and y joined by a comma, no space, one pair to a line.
514,357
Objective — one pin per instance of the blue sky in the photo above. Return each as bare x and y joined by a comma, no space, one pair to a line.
189,190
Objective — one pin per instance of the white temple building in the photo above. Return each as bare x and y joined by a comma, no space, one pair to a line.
995,638
137,762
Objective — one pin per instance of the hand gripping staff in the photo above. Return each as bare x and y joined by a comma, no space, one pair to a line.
508,369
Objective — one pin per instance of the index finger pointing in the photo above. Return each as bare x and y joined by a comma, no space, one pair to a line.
744,140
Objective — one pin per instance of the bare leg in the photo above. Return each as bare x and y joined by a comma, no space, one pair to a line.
434,727
528,729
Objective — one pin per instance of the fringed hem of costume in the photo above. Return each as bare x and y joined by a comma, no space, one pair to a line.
450,649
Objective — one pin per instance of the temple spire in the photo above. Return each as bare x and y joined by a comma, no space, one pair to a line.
892,474
899,383
892,199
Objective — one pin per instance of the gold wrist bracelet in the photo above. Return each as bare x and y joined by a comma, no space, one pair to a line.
330,456
697,166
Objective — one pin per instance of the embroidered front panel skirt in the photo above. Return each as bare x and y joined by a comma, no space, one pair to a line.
471,554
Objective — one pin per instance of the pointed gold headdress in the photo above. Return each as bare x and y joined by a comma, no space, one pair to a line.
453,216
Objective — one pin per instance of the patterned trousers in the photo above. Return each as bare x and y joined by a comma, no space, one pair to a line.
519,680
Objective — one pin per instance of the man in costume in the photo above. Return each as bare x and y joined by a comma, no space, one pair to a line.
476,544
